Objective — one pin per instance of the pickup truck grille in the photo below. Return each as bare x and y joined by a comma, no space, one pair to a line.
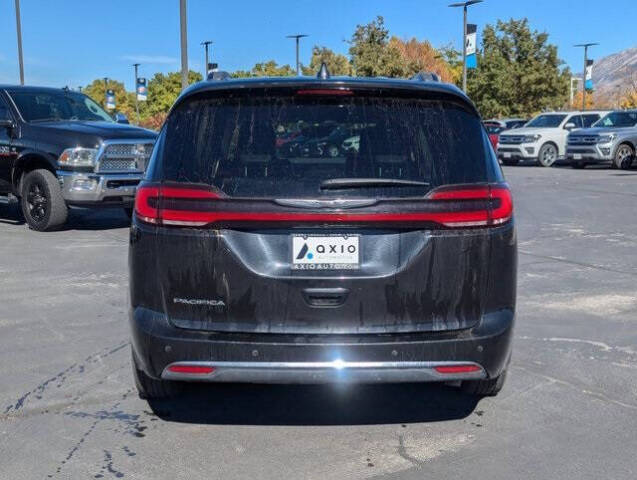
125,157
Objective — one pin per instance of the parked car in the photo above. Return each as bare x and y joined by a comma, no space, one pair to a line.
612,140
543,139
495,127
59,149
397,264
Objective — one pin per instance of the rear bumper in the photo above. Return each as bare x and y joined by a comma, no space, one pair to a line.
274,358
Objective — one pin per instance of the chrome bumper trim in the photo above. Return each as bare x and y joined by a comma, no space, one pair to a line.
101,191
337,371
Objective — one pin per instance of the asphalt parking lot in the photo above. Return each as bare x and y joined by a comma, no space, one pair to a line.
68,408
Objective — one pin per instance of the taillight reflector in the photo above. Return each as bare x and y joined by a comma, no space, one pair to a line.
191,369
450,369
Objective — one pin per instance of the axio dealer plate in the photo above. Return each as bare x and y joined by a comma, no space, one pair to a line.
325,252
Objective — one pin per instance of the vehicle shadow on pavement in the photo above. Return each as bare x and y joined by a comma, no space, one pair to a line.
311,405
103,219
11,215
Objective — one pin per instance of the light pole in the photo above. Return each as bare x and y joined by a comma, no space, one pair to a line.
205,68
585,46
464,6
105,89
297,37
184,44
18,25
136,65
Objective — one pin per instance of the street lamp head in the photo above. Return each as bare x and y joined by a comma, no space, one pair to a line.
207,42
465,4
585,45
301,35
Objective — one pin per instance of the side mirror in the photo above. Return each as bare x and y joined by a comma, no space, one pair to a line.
121,118
7,123
570,126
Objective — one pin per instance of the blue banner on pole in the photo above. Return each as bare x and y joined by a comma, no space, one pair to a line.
470,46
142,90
110,99
588,77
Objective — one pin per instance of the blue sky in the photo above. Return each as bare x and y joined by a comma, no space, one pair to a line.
72,42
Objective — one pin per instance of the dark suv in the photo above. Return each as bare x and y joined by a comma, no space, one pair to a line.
395,262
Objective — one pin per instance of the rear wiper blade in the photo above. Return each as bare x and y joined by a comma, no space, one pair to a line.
336,183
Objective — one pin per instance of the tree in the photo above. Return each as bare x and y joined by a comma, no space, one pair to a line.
371,54
337,64
419,56
519,72
266,69
163,90
124,101
629,97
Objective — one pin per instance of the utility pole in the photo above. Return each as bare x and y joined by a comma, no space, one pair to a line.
105,90
136,65
297,37
464,6
585,46
184,44
205,69
574,80
18,25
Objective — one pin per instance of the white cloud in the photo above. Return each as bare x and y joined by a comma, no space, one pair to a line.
153,59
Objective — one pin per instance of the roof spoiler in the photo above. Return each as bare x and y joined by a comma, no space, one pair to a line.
425,77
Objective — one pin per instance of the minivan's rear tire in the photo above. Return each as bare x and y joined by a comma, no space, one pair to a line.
548,155
489,387
41,200
624,156
149,388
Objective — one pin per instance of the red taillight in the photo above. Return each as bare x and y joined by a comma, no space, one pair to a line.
191,369
325,91
450,369
499,209
452,207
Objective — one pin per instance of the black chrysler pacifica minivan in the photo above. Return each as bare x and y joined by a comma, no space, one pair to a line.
388,255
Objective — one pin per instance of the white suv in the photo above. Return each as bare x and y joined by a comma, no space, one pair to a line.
543,139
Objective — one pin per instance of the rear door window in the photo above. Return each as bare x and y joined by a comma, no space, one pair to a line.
287,146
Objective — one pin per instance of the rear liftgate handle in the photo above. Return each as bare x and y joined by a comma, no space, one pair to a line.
325,297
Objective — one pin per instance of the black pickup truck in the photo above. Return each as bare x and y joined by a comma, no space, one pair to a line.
60,149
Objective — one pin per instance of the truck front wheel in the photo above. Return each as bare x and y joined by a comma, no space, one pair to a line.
42,204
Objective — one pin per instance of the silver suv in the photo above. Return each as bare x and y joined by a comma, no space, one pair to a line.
610,140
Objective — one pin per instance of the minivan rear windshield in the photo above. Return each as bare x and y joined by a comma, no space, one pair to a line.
289,146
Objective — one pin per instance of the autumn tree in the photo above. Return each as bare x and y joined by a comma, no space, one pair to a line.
420,56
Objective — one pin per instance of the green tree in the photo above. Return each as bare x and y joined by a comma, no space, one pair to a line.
372,55
163,90
519,72
124,101
337,64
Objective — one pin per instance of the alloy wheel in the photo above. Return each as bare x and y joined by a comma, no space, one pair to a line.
37,201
